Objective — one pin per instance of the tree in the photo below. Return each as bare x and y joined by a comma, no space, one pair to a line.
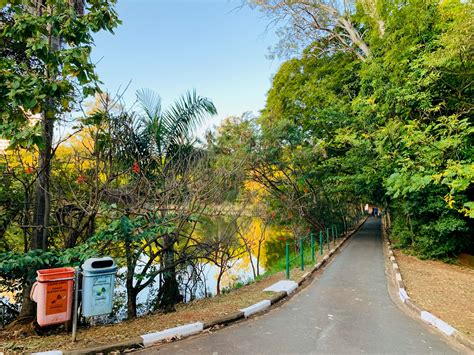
394,130
168,134
165,184
253,234
324,25
222,244
56,37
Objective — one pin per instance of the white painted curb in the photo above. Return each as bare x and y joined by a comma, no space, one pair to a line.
255,308
287,286
181,331
403,294
424,315
438,323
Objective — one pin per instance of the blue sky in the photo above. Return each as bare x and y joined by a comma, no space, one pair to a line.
171,46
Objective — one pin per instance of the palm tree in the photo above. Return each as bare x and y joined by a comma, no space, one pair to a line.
166,136
169,132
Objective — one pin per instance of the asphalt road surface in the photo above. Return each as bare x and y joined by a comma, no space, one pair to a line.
345,310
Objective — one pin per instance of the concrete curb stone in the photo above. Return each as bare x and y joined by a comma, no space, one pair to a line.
278,297
133,343
464,341
256,308
305,277
225,319
413,306
181,331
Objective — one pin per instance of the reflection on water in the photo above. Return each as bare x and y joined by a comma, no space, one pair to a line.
201,280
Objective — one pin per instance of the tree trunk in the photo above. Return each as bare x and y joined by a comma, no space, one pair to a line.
218,286
249,251
131,292
355,37
169,292
41,210
131,301
28,307
42,198
258,258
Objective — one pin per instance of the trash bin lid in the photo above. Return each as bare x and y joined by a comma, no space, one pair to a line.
99,265
59,273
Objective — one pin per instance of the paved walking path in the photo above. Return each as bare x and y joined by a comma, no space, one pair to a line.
346,310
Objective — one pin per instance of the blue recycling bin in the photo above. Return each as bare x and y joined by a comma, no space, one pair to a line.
98,281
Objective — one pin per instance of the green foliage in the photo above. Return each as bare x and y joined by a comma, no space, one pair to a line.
395,130
42,78
17,267
442,238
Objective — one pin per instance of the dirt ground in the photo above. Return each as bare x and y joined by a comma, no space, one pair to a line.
201,310
445,290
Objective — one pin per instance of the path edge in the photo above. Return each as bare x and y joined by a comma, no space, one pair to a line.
421,313
139,342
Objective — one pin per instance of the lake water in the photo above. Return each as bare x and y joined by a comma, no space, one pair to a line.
254,231
272,248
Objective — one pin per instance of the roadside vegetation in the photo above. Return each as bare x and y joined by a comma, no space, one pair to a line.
374,106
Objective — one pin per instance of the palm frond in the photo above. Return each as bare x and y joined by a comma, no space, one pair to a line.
150,103
185,115
151,119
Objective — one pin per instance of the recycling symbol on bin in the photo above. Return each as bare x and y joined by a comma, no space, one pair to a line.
58,298
101,291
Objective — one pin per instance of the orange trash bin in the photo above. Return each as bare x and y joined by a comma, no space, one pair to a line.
52,293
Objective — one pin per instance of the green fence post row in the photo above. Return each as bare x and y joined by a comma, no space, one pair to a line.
287,260
302,253
321,242
313,257
328,241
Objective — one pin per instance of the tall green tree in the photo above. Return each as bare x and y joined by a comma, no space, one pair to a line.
52,71
394,129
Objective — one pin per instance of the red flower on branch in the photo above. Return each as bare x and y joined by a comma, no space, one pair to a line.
136,168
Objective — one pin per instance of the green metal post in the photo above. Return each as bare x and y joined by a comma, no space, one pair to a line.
287,260
321,242
302,253
328,241
313,257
